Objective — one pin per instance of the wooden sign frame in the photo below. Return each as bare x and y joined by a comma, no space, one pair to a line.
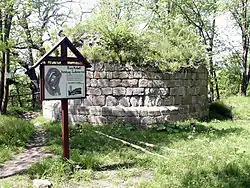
78,60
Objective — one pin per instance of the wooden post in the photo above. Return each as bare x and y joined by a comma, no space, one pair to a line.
64,103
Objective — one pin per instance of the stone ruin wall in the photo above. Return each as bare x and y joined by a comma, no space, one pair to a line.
137,95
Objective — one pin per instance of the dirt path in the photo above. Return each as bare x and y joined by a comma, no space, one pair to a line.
34,153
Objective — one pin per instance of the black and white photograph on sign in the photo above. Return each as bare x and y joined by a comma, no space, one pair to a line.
75,89
64,81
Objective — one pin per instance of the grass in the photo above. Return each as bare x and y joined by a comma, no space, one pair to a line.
240,106
214,154
14,133
196,154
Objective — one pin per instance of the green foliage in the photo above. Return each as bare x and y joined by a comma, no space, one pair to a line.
229,76
15,131
118,36
218,110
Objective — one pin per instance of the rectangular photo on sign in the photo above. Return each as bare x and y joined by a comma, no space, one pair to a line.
64,81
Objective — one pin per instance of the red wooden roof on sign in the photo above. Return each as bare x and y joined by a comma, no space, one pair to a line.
66,43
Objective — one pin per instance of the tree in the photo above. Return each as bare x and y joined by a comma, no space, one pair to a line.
202,16
139,33
241,14
6,16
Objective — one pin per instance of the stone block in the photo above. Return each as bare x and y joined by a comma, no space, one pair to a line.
99,67
129,91
131,112
111,101
177,100
87,101
129,83
110,67
174,91
97,119
119,91
164,91
136,101
78,118
149,101
138,91
98,100
115,82
90,74
98,75
144,83
107,91
124,74
124,101
95,110
118,112
158,83
142,111
102,82
137,74
187,100
94,91
109,75
154,111
107,111
93,82
148,120
83,111
88,81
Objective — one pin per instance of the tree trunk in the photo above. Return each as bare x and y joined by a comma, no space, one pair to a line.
245,45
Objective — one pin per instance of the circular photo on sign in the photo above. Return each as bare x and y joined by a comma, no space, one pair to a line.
52,80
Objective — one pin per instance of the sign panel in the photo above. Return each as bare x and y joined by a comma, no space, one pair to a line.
64,81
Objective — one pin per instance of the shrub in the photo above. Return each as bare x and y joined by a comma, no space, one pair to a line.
218,110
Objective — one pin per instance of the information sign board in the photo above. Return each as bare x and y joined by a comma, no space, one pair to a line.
64,81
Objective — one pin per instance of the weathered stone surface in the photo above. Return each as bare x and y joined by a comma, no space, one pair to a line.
107,111
144,83
100,75
98,100
97,119
93,82
137,74
158,83
129,83
138,91
124,101
99,67
119,91
136,101
148,120
115,82
95,110
107,91
129,91
111,101
90,74
88,82
42,183
138,95
149,101
109,75
94,91
118,111
103,83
